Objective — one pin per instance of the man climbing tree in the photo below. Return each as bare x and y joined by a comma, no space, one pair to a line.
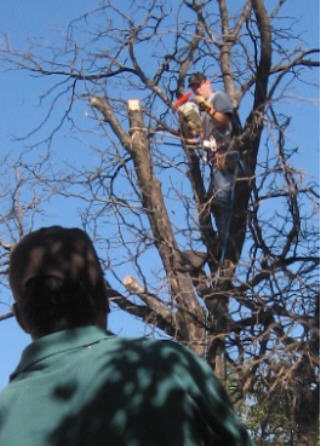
216,112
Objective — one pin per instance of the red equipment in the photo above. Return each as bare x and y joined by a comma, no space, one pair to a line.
181,100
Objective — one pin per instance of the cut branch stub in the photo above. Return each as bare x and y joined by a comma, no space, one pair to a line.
132,285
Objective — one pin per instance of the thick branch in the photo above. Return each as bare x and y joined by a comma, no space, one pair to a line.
152,301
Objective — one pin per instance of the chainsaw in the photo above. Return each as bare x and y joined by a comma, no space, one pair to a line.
189,116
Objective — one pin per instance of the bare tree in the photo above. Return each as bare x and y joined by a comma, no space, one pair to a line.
144,195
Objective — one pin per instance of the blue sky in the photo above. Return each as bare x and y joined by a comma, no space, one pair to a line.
22,20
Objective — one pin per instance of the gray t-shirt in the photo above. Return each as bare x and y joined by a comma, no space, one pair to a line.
222,103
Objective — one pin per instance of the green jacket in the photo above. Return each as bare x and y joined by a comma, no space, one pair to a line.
84,387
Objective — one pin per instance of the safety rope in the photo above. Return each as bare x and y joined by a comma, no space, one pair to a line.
240,165
232,196
224,248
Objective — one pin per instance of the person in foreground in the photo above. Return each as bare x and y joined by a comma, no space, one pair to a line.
78,385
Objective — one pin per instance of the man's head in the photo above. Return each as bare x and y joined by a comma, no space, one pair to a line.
57,281
200,85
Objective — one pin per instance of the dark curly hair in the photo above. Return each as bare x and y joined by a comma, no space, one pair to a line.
51,304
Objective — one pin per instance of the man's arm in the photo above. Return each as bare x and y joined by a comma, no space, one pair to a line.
222,119
220,413
223,427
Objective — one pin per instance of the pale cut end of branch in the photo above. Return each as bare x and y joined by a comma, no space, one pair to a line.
132,285
95,101
134,105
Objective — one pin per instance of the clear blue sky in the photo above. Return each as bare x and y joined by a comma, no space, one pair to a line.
21,20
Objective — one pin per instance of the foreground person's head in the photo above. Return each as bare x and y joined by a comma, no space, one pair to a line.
57,281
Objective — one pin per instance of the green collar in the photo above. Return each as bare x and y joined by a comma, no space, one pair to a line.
58,342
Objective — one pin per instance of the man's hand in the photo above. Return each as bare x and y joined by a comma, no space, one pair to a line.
203,104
